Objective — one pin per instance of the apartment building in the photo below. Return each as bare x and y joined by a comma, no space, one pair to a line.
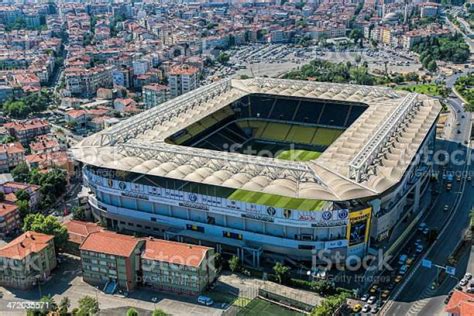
85,82
45,144
11,155
26,260
78,232
182,79
154,94
177,267
9,219
111,259
32,189
26,131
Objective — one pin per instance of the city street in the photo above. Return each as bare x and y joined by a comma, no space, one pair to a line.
416,297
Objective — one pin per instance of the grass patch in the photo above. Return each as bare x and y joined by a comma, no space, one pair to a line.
276,200
428,89
298,155
259,307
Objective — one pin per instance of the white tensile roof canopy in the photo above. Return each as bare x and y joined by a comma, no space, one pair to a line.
370,156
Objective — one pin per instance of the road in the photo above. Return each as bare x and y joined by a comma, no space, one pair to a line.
417,297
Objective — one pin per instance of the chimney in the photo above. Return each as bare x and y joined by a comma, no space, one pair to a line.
22,245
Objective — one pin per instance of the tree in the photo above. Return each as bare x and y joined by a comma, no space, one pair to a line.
432,66
23,207
323,287
22,195
88,306
78,213
132,312
64,306
234,263
159,312
330,305
223,58
21,173
48,225
281,272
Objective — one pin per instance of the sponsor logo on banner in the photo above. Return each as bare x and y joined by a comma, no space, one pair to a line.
287,213
335,244
342,214
122,186
327,215
271,211
193,197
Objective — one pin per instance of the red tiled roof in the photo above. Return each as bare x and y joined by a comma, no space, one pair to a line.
79,230
461,303
21,186
6,209
24,245
12,148
110,243
183,70
174,252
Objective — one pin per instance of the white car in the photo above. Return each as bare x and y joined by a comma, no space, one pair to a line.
468,276
422,226
364,297
463,282
366,308
419,248
372,300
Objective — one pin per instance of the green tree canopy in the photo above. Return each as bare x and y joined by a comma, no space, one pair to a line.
21,173
47,225
281,272
88,306
234,263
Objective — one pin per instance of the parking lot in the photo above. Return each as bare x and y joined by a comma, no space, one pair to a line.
273,60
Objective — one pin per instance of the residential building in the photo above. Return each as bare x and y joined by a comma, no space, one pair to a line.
182,79
78,232
11,155
154,94
9,219
460,304
26,131
26,260
428,9
177,267
111,259
32,189
82,81
45,144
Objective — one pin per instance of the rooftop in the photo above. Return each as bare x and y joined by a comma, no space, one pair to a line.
174,252
25,245
350,168
79,230
110,243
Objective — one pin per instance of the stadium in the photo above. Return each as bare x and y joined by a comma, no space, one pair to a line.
267,167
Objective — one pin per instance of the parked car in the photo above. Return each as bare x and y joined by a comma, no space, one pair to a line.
204,300
366,308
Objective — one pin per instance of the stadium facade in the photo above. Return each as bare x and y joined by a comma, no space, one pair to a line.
268,166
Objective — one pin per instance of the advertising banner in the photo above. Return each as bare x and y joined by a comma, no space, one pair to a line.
359,226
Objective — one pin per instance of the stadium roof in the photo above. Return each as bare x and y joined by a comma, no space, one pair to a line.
368,158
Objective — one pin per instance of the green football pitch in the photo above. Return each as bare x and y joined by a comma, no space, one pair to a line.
298,155
259,307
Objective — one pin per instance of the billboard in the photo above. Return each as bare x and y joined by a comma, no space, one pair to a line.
359,226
